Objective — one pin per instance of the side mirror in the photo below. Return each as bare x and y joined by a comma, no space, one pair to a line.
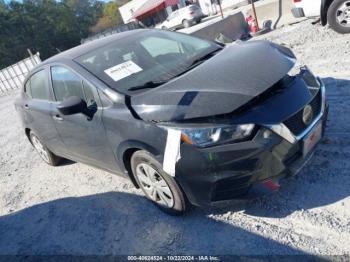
72,105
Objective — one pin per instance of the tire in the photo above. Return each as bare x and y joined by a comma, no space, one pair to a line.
261,32
162,186
186,23
45,154
336,14
199,20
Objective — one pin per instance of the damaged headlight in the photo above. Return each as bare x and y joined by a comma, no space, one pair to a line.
304,73
309,77
210,136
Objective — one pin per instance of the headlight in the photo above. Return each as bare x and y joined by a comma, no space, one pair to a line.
209,136
309,77
305,73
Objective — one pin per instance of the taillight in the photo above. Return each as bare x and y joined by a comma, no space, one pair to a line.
191,13
297,1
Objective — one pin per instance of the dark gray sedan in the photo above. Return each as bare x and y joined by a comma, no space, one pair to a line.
187,120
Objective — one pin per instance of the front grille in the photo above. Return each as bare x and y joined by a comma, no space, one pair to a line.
295,123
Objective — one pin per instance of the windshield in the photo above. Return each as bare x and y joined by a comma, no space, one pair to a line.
153,56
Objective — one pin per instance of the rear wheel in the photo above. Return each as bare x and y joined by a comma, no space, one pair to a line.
43,151
338,16
186,23
157,185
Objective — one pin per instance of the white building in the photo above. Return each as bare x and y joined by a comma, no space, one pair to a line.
149,11
210,8
126,11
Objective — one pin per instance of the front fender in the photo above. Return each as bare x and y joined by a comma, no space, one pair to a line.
130,146
134,144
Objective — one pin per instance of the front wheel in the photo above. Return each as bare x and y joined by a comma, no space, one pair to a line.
186,23
46,155
338,16
157,185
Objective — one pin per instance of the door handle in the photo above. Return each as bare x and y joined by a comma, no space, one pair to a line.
26,106
57,117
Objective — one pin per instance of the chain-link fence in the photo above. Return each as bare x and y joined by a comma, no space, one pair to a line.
12,77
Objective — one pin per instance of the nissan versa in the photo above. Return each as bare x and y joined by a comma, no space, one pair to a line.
230,119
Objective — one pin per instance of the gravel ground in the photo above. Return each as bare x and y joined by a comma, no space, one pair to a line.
76,209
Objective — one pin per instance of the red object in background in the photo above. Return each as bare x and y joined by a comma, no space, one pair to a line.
274,186
151,7
253,27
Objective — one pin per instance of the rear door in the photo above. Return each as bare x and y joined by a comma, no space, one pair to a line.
174,20
37,108
84,137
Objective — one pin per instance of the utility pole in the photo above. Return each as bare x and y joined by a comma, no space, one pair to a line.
219,3
254,13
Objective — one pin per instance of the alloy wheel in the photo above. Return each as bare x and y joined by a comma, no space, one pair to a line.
343,14
154,185
39,147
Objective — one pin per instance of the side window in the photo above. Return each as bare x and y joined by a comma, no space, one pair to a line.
89,94
39,86
172,15
65,83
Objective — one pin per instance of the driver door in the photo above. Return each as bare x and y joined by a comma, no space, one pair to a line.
84,137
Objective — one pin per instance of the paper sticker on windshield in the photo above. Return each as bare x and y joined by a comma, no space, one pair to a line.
123,70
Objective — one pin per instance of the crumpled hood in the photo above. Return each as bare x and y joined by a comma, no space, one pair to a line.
220,85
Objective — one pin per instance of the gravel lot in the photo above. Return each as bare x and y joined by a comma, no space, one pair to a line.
76,209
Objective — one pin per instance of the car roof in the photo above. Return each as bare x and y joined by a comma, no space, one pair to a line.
82,49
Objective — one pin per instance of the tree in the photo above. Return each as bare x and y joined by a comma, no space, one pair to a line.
44,26
110,18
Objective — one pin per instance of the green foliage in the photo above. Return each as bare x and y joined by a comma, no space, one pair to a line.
44,26
110,17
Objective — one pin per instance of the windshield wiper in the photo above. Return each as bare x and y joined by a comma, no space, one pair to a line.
150,84
194,63
198,61
205,57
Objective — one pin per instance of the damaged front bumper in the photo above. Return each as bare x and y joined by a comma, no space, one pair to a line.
241,170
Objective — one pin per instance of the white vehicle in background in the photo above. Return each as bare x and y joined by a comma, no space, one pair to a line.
183,17
334,12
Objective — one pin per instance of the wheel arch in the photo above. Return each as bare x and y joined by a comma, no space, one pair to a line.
324,9
125,152
184,20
